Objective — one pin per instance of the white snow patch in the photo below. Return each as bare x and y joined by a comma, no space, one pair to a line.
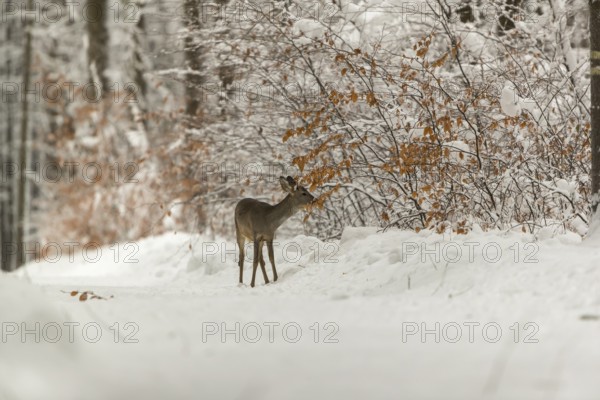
309,27
510,101
459,151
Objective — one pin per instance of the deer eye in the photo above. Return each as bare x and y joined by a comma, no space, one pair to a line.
303,194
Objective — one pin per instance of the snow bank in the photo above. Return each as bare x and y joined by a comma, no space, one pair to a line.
151,261
363,262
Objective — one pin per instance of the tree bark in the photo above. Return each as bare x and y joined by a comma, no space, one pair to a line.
97,52
23,145
7,192
595,106
193,59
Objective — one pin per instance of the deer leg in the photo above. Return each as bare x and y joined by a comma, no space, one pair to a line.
240,241
241,260
262,261
272,258
254,262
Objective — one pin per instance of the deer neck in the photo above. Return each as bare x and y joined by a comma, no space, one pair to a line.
281,211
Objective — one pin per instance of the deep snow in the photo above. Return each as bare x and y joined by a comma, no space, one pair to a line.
528,318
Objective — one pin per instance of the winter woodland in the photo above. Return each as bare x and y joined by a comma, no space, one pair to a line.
124,123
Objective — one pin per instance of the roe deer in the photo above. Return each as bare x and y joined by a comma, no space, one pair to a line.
257,222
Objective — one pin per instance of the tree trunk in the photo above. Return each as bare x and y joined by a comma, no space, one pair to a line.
193,59
7,192
138,56
97,52
595,106
23,145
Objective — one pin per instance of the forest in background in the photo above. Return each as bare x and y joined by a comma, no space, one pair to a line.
125,119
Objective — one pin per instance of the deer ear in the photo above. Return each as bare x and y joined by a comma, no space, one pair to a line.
292,182
285,184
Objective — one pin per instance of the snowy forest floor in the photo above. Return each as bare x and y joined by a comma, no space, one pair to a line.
374,315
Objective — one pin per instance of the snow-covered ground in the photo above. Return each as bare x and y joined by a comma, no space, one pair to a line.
394,315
